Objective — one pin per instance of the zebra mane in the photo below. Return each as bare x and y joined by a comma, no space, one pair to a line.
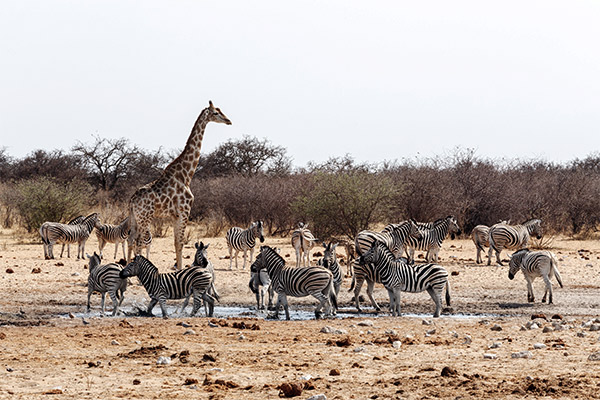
274,253
518,252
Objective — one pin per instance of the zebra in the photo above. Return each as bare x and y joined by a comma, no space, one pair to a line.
202,261
480,236
173,285
297,282
533,264
302,241
397,276
54,232
259,280
504,236
432,238
329,261
116,234
239,239
395,235
103,279
350,255
74,221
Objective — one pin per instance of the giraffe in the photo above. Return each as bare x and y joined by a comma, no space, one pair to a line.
170,195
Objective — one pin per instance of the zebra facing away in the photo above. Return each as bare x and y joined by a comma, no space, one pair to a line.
54,232
258,284
297,282
105,279
117,234
398,277
504,236
201,261
302,241
480,235
533,264
239,239
432,238
173,285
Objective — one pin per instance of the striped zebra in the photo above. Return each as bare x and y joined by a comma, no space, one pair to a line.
302,241
329,261
394,235
173,285
504,236
432,238
103,279
239,239
258,284
297,282
75,221
54,232
480,237
117,234
533,264
201,261
398,277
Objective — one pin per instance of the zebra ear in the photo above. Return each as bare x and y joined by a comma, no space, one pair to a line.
206,246
334,246
324,244
196,244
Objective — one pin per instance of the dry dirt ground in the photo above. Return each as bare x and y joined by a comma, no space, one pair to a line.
47,354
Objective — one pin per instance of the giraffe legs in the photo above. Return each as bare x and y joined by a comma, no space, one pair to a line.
179,233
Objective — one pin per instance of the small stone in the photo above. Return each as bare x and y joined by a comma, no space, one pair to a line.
541,316
189,332
339,332
359,349
115,343
186,325
75,274
595,327
453,334
522,354
580,334
241,337
539,346
490,356
557,316
547,329
523,328
532,325
36,270
9,270
290,389
448,371
317,397
594,357
557,326
426,322
454,273
391,332
334,372
396,344
306,377
365,323
496,328
467,339
213,325
495,345
326,329
163,360
430,332
136,382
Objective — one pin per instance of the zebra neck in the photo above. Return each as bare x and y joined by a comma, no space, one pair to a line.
250,237
148,273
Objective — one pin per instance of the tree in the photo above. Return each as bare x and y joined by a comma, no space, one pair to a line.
56,164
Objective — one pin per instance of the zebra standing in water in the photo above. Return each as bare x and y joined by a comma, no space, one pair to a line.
395,235
398,277
201,261
75,221
54,232
173,285
432,238
297,282
302,241
239,239
504,236
329,261
117,234
259,282
103,279
533,264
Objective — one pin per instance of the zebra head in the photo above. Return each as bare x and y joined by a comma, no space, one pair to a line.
373,255
414,230
329,256
200,259
257,230
133,268
94,261
535,228
515,262
216,115
453,227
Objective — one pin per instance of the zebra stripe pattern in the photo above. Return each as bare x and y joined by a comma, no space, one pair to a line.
480,236
173,285
432,238
259,282
117,234
394,236
297,282
398,277
239,239
329,261
105,279
302,241
201,261
54,232
535,264
75,221
504,236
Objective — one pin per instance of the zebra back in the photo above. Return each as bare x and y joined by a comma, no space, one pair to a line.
513,236
113,233
394,236
302,238
435,236
54,232
104,278
241,239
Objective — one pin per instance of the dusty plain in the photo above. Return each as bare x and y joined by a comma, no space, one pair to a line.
51,348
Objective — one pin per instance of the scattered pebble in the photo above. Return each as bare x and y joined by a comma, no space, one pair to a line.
334,372
467,339
490,356
306,377
115,343
594,357
396,344
557,316
391,332
366,323
317,397
241,337
186,325
326,329
522,354
580,334
495,345
532,325
430,332
163,360
547,329
9,270
426,322
75,274
36,270
359,349
595,327
290,389
213,325
539,346
448,371
189,332
496,328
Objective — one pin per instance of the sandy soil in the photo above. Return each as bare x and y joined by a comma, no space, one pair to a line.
47,354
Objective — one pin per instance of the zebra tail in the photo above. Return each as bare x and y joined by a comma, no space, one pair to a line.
44,234
251,285
555,268
448,293
353,283
215,294
492,244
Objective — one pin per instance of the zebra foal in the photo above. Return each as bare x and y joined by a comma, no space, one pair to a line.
297,282
117,234
173,285
54,232
505,236
105,279
398,277
533,264
239,239
302,241
258,284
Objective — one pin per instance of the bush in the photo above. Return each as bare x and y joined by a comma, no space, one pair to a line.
45,199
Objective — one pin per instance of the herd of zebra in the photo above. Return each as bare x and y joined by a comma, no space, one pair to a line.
375,257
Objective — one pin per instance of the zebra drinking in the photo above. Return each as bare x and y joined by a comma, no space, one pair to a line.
432,238
258,284
505,236
297,282
117,234
398,277
173,285
533,264
239,239
105,279
302,241
54,232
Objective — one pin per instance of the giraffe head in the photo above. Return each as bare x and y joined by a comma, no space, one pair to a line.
216,115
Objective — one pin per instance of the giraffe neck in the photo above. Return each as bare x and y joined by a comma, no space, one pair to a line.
183,167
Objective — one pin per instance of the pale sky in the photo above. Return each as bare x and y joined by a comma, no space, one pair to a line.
379,80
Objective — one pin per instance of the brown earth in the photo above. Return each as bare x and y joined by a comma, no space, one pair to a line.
47,354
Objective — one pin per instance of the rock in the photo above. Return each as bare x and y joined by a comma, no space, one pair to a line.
163,360
190,381
317,397
454,334
359,349
115,343
186,325
523,328
539,346
391,332
36,270
547,329
490,356
365,323
339,332
9,270
430,332
594,357
496,328
557,316
532,325
213,325
189,332
449,371
241,337
454,273
426,322
595,327
541,316
522,354
580,334
306,377
290,389
334,372
396,344
557,326
326,329
467,339
71,315
495,345
75,274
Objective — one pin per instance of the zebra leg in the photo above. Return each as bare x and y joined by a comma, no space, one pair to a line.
548,290
113,296
358,282
298,259
323,301
210,302
498,260
530,296
185,303
370,285
117,249
260,298
230,256
102,303
435,296
245,255
411,255
151,305
163,307
271,293
490,255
